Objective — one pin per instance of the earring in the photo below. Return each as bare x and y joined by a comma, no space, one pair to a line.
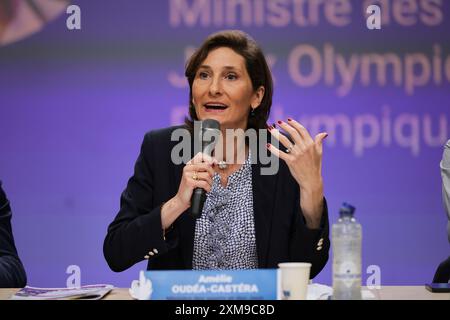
252,113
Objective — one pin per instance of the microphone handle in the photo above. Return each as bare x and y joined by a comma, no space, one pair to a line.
197,201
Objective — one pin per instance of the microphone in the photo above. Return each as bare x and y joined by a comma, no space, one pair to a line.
208,136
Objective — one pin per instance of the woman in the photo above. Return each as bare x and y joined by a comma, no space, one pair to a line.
249,220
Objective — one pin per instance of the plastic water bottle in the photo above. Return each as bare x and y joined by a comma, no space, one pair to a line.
346,242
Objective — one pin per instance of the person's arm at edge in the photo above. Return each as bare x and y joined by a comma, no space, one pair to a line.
311,244
12,272
445,173
138,228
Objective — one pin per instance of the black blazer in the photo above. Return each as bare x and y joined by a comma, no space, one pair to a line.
12,273
281,232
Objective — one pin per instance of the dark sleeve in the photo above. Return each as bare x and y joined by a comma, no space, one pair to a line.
445,173
310,245
137,228
12,273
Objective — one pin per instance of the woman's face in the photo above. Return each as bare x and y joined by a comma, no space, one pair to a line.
222,89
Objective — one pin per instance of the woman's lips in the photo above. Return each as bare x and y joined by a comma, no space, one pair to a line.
215,110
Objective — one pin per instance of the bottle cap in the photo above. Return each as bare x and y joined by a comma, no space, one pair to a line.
347,210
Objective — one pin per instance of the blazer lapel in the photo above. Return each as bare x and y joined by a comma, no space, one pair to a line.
186,225
186,222
264,190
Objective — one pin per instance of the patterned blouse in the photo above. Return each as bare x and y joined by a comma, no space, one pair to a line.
225,232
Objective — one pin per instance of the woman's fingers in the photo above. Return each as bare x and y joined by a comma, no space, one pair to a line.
202,158
301,130
198,180
319,139
204,176
295,135
199,174
302,138
200,167
277,152
203,184
280,137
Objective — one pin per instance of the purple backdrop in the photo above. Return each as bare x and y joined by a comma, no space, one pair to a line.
75,105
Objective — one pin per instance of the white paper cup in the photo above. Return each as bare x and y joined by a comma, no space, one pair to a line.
294,280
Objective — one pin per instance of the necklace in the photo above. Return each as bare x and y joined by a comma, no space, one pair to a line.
222,165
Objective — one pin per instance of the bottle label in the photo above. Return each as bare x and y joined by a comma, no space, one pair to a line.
348,272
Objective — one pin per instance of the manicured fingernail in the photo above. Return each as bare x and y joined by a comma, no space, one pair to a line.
280,122
289,119
269,128
268,145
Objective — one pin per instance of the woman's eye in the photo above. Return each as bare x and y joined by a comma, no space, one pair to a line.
231,76
203,75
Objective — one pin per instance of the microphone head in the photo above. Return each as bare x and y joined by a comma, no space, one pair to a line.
210,124
209,135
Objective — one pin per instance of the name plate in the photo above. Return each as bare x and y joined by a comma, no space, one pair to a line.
258,284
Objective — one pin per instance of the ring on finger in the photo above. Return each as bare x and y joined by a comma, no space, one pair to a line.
195,175
289,149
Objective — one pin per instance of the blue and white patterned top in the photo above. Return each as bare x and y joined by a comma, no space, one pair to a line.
225,232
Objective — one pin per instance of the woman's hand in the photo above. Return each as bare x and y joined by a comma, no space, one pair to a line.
304,159
197,173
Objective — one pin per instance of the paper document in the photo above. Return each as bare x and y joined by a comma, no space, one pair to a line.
89,292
